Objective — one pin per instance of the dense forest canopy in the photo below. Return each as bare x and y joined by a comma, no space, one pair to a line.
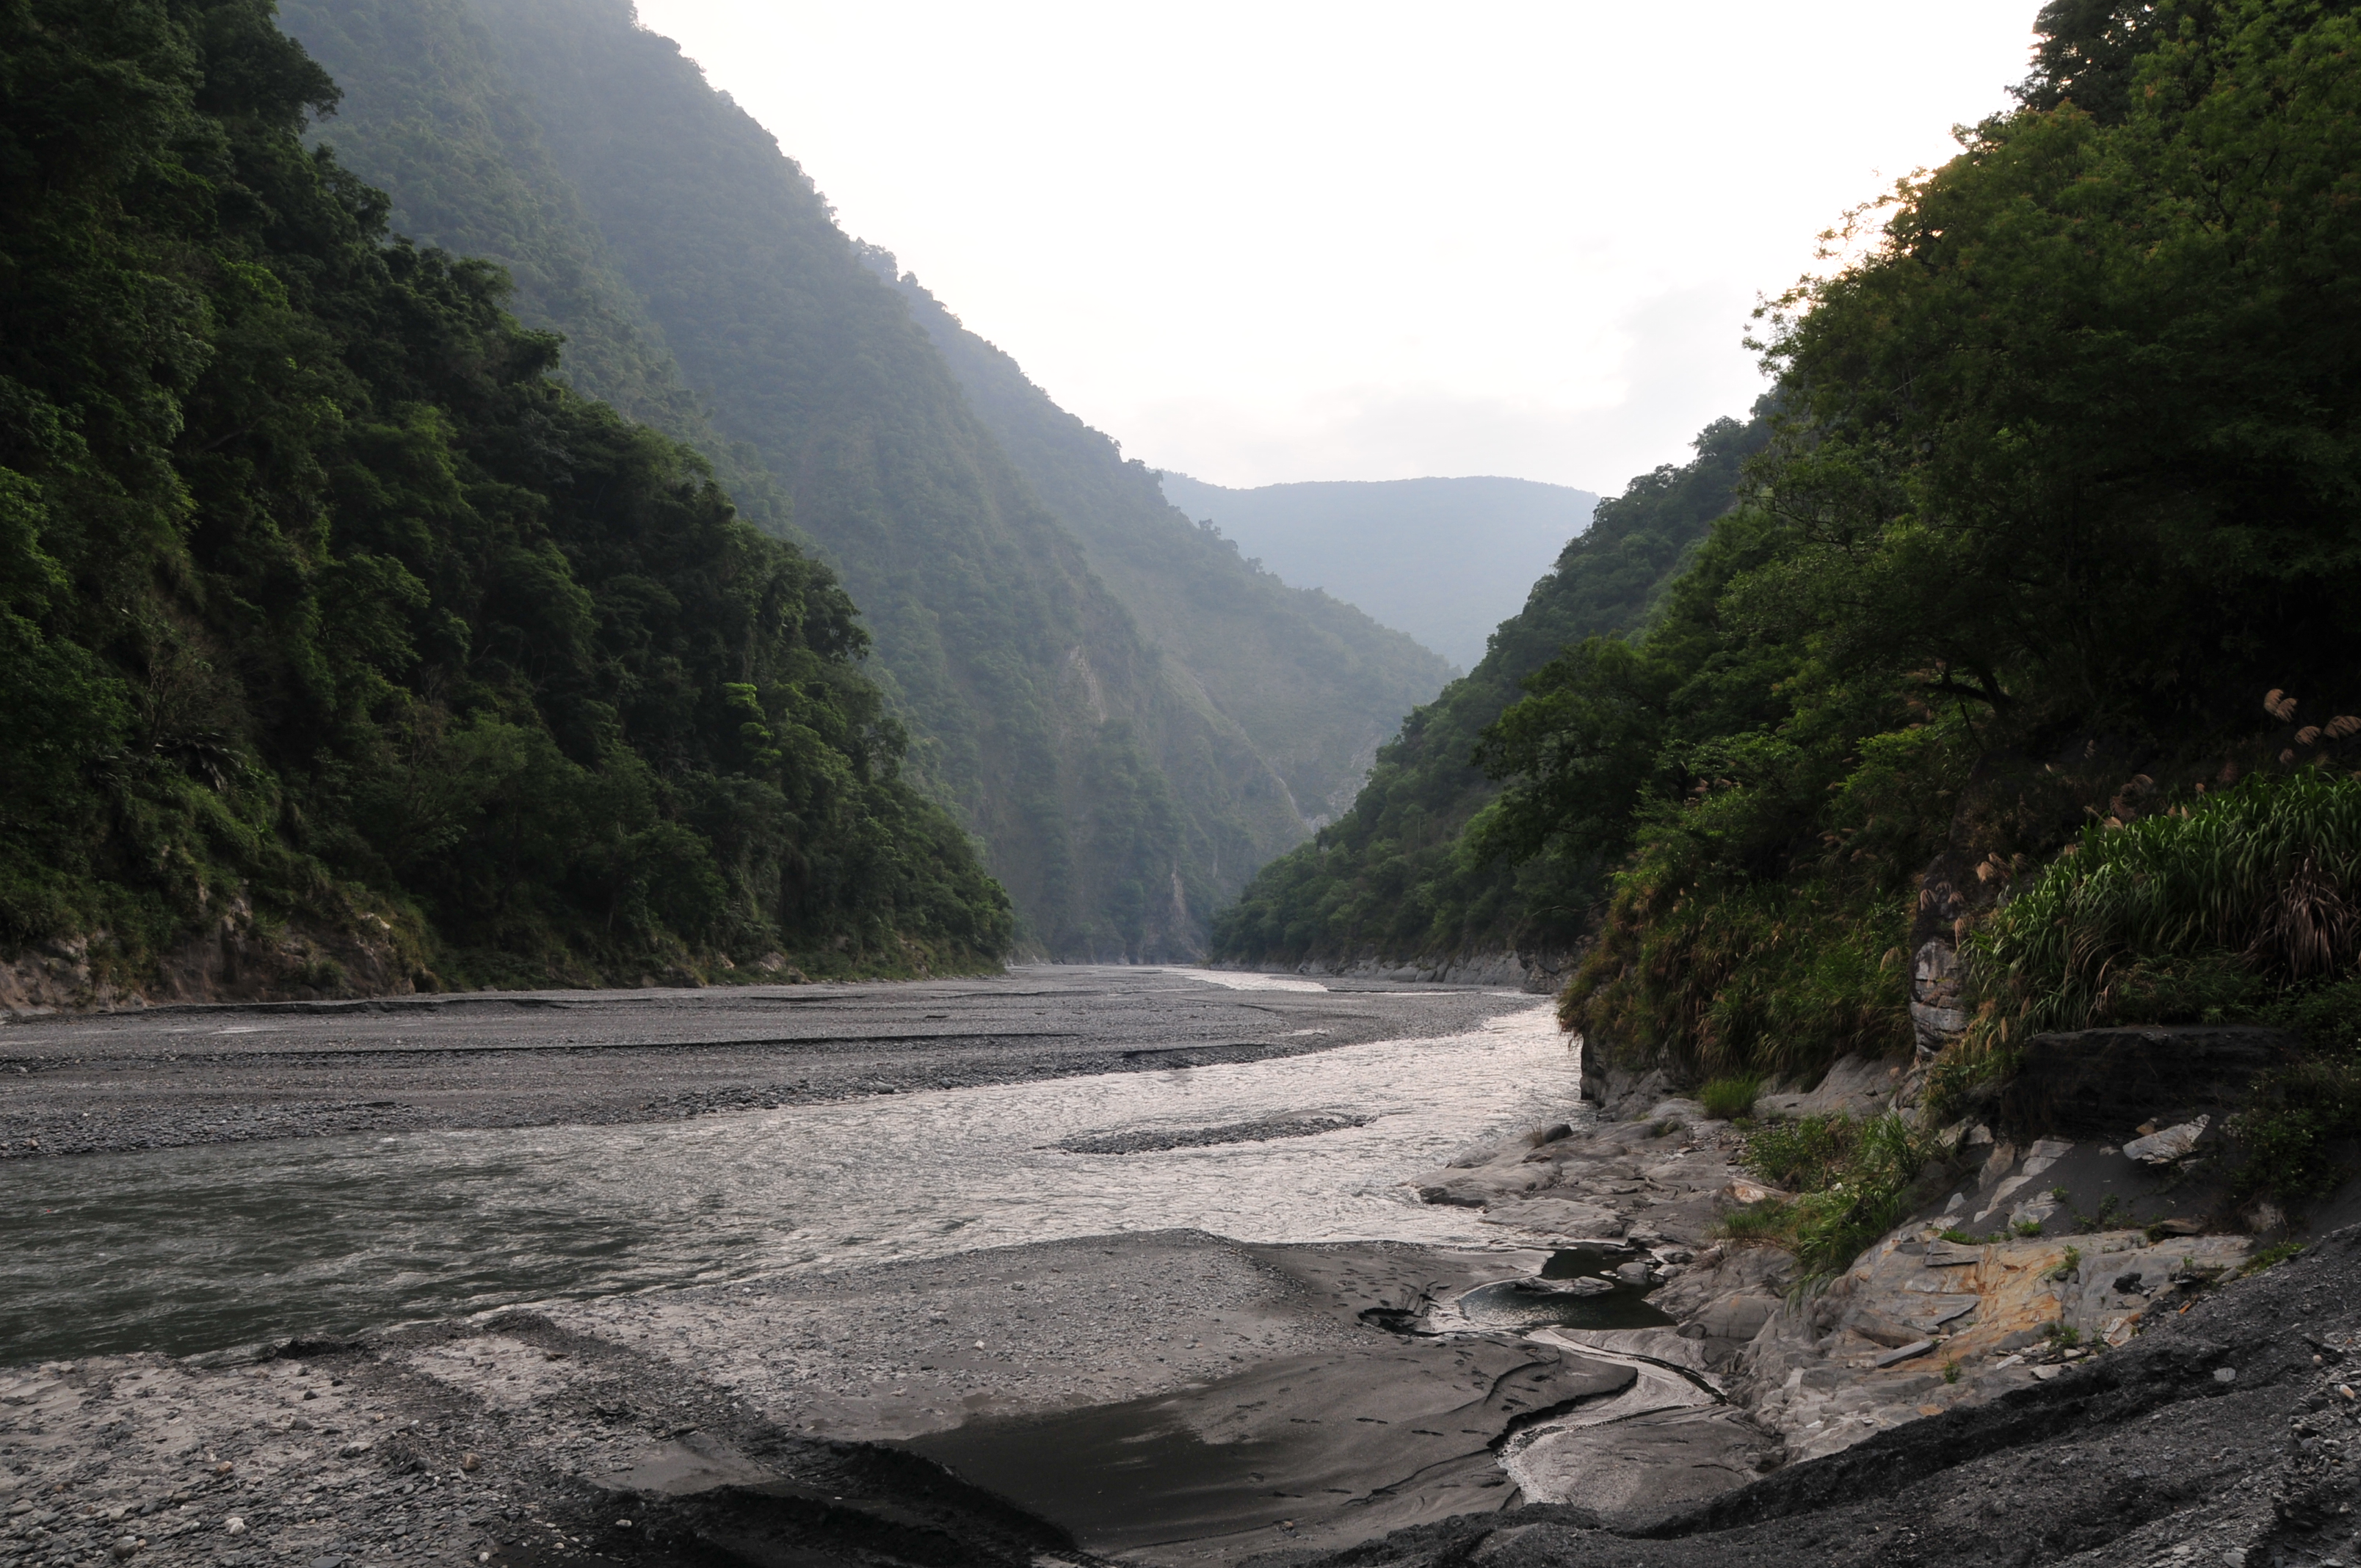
325,608
2066,482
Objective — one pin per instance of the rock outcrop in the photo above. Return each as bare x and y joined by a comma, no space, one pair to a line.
2073,1221
234,957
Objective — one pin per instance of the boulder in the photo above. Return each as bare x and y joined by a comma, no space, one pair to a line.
2102,1083
1860,1087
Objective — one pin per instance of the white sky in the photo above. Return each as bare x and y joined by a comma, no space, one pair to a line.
1292,239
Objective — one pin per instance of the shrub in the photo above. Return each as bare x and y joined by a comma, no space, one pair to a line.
1853,1181
1729,1099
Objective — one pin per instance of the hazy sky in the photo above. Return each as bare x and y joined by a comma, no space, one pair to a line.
1294,240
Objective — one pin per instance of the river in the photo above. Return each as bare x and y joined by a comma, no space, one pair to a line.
203,1248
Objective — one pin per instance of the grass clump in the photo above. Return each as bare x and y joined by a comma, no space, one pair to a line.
2235,906
1853,1181
1731,1099
2271,1257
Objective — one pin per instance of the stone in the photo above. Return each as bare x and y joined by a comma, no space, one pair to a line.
2171,1144
468,1461
1936,975
1558,1217
2225,1374
124,1548
1906,1353
1739,1316
234,1525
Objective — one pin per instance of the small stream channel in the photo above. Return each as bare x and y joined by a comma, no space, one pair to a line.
196,1249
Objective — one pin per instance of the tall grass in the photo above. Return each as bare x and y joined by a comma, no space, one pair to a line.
2216,908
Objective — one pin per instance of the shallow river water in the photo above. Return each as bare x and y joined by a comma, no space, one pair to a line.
193,1249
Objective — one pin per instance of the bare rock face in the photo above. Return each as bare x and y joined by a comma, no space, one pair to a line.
52,977
1921,1326
235,958
2103,1083
1938,978
1859,1087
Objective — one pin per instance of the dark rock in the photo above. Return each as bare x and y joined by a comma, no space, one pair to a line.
2102,1083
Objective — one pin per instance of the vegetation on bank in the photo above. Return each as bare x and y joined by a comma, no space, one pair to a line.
323,603
1851,1180
2061,478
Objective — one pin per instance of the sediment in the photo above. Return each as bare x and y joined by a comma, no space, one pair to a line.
168,1077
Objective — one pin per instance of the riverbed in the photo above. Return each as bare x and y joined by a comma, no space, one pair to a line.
207,1246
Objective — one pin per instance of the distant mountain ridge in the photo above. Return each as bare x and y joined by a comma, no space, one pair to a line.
1443,560
1124,779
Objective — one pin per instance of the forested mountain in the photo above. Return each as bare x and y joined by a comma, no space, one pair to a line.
2030,631
343,647
1121,791
1400,877
1310,686
2063,506
1445,560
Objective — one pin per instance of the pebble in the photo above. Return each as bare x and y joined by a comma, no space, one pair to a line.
234,1525
2225,1374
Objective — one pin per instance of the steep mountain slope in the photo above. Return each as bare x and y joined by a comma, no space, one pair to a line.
1445,560
1395,879
1314,686
430,115
341,648
1114,805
